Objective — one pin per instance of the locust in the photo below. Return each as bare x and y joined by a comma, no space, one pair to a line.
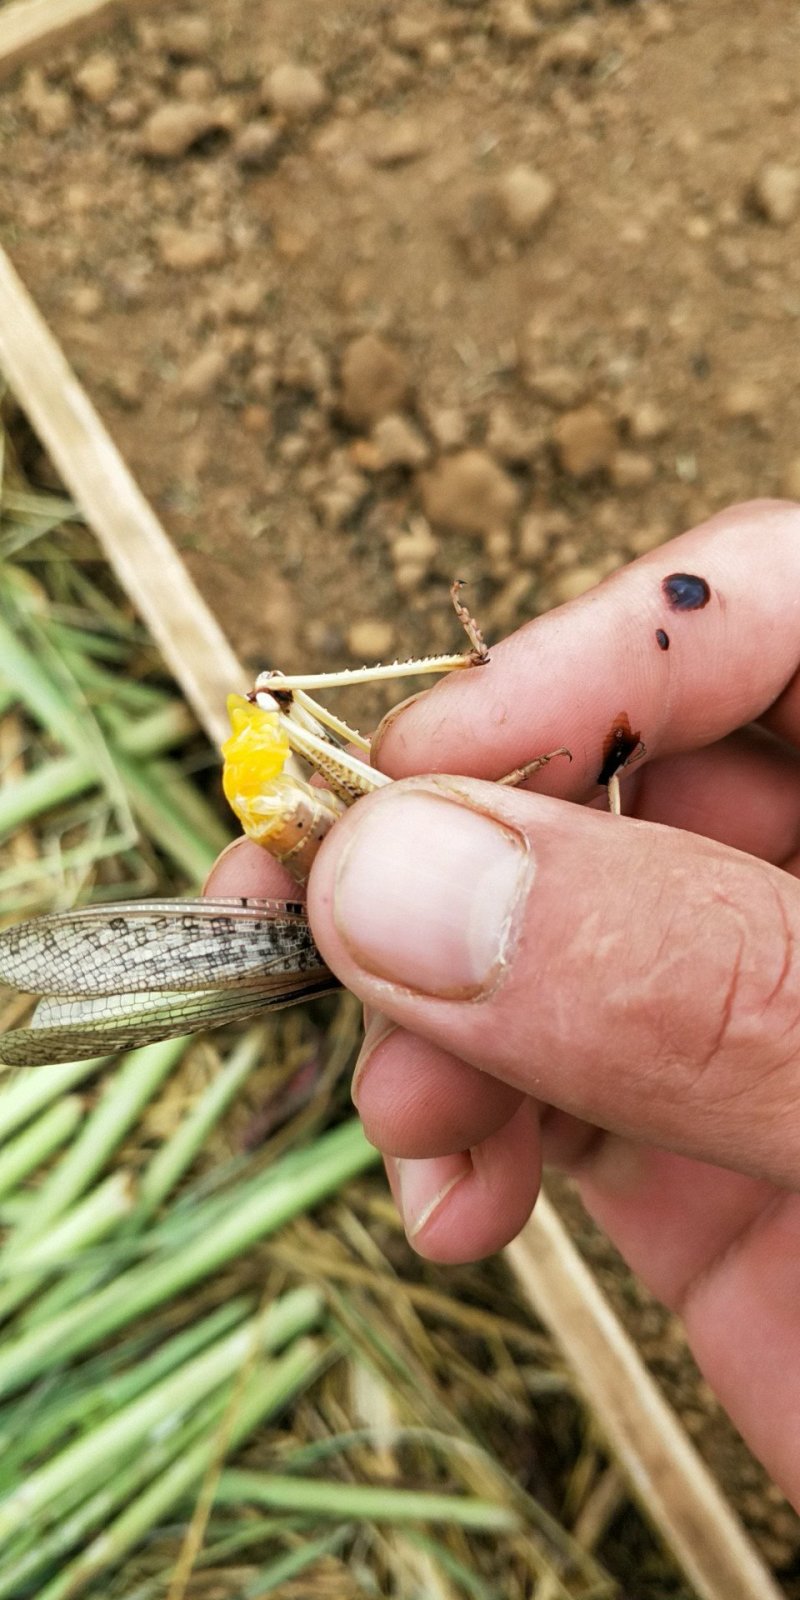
112,977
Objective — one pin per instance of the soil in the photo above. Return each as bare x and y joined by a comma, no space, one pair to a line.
371,296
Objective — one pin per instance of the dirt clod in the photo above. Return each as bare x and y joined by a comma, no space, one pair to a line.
374,379
370,640
576,47
631,470
201,377
790,482
585,441
195,83
469,492
186,36
647,422
98,77
257,144
526,197
512,20
398,443
191,249
399,142
51,108
509,438
744,401
294,91
413,553
175,128
776,193
559,387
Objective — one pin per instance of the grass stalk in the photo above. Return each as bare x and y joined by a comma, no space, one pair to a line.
25,1269
167,1167
126,1430
33,1088
139,1077
269,1390
316,1497
91,1219
176,1155
52,784
63,778
36,1143
154,799
330,1162
154,733
22,670
53,704
27,1432
291,1563
42,1551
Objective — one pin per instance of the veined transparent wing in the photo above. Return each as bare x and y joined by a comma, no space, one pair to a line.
163,944
117,976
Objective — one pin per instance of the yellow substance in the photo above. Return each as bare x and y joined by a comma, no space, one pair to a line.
254,758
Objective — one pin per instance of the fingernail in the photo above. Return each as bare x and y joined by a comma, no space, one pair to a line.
423,1185
388,721
235,844
378,1029
426,893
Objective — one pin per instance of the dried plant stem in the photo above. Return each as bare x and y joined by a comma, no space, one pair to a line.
30,27
192,642
664,1470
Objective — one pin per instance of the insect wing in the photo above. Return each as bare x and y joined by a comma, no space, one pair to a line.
75,1030
157,944
118,976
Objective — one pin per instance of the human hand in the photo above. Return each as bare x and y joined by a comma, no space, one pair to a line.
619,996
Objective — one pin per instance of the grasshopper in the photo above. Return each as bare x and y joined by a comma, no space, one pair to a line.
113,977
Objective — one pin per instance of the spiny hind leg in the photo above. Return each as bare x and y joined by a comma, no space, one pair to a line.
519,774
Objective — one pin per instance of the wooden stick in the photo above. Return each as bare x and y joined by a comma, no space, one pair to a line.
147,565
676,1491
28,28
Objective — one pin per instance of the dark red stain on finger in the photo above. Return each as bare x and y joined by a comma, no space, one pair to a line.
618,747
686,592
662,639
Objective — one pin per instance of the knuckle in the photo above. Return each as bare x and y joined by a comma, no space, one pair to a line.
749,1030
722,985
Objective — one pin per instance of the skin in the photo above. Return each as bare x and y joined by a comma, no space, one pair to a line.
642,1030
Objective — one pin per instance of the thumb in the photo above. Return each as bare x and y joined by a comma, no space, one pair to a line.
639,977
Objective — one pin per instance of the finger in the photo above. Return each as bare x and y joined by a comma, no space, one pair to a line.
721,1249
462,1207
570,677
644,979
245,869
743,791
671,1217
417,1100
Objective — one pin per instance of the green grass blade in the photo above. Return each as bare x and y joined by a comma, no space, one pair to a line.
333,1158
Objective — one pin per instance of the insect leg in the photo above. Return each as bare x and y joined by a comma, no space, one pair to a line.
521,773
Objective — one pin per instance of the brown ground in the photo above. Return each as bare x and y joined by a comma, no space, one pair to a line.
561,236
